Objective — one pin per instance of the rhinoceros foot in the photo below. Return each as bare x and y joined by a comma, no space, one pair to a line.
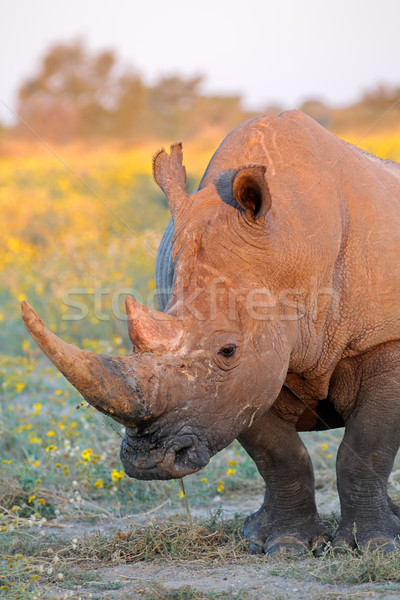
270,536
345,543
368,535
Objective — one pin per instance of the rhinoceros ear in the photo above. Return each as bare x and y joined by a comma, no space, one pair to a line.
170,174
250,190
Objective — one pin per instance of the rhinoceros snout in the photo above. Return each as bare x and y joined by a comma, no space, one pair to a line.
171,458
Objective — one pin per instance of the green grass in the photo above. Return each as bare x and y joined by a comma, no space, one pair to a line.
59,457
65,453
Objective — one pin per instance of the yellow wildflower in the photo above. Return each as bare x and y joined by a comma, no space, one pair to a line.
35,463
324,446
31,498
230,471
116,475
181,494
21,428
51,433
51,448
99,483
232,463
35,440
37,408
19,387
329,456
58,392
41,501
221,486
204,480
86,454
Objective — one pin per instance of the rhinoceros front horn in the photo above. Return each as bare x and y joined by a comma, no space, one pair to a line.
109,383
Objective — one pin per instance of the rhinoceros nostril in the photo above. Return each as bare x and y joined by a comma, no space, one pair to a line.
182,455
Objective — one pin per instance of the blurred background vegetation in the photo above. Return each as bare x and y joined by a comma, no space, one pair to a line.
94,96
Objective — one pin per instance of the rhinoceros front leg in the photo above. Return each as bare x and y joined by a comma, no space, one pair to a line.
288,519
370,519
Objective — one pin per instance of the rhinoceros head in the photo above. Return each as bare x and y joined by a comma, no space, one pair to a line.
204,369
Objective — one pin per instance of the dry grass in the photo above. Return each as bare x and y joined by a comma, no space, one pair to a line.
30,557
213,542
350,568
11,492
166,539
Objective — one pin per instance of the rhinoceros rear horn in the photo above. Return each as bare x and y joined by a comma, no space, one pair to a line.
170,174
152,330
109,383
250,190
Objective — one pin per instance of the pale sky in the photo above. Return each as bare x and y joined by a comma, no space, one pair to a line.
268,51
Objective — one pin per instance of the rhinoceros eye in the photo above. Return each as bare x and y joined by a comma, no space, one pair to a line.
228,351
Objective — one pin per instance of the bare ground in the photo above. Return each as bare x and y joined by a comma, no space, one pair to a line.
249,577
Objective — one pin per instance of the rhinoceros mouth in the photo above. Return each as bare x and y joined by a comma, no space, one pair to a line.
170,458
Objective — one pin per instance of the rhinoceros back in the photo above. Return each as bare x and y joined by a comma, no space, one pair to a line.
165,267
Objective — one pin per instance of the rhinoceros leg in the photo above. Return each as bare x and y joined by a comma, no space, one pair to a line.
288,520
366,455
